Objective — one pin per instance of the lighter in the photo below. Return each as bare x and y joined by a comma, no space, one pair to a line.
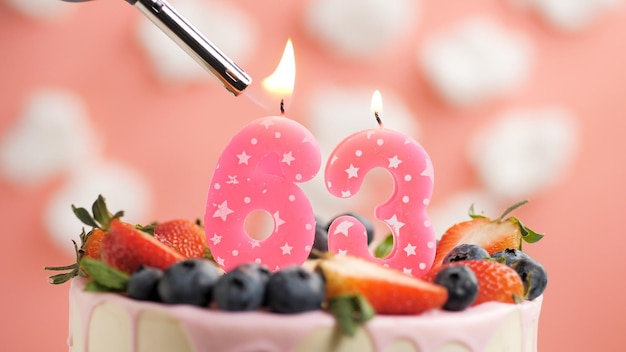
232,77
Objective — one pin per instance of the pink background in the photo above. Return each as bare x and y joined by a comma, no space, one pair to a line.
174,136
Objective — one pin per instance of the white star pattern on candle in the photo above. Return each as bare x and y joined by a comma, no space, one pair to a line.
216,239
342,251
428,171
286,248
395,223
409,249
307,139
288,158
220,261
232,180
277,220
394,162
255,243
222,211
343,227
352,171
267,123
345,194
243,158
407,271
369,134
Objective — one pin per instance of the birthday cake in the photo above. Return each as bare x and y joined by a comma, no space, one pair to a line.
157,288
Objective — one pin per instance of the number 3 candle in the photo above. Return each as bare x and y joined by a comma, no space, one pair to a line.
258,171
404,212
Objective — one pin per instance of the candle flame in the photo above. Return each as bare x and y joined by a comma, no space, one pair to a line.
377,102
281,82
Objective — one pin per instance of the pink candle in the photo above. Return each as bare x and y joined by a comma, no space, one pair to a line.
259,170
404,212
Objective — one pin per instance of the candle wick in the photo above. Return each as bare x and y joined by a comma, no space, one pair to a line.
378,120
282,106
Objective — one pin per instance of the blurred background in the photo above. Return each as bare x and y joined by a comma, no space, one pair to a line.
513,99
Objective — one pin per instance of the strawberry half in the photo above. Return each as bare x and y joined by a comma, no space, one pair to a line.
493,235
387,290
126,248
496,281
187,237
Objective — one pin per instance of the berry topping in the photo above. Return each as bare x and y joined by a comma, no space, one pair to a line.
242,288
533,275
496,281
461,284
294,290
492,235
465,251
185,236
510,255
387,290
143,284
126,248
189,282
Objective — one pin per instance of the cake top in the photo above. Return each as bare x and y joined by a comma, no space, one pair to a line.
170,262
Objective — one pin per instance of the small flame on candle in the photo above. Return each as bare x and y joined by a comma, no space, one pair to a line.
377,106
281,82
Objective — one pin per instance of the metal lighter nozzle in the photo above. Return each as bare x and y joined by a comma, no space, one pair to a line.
232,77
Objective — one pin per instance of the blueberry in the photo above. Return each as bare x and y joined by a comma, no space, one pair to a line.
462,286
534,276
190,281
143,284
511,255
320,242
294,290
242,288
369,227
465,251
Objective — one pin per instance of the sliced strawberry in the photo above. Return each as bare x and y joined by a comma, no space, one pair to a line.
493,235
387,290
92,244
187,237
496,281
126,248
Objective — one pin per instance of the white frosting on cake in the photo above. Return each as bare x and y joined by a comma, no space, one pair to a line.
104,322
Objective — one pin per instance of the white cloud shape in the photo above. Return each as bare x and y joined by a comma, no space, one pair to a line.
122,187
41,10
337,113
360,29
226,26
570,15
52,135
524,151
476,60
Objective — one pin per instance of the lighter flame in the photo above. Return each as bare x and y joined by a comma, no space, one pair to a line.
377,102
281,82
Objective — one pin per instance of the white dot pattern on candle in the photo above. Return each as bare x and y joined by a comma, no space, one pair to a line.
271,186
411,170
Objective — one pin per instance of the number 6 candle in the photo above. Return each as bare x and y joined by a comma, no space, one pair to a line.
404,212
258,171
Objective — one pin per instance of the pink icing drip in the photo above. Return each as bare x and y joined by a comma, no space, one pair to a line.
251,331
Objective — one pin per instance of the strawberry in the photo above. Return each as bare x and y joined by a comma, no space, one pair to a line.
126,248
387,290
99,221
92,244
187,237
496,281
493,235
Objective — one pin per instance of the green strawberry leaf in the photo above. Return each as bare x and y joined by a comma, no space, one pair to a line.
510,209
83,215
350,311
106,277
528,235
472,213
384,248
